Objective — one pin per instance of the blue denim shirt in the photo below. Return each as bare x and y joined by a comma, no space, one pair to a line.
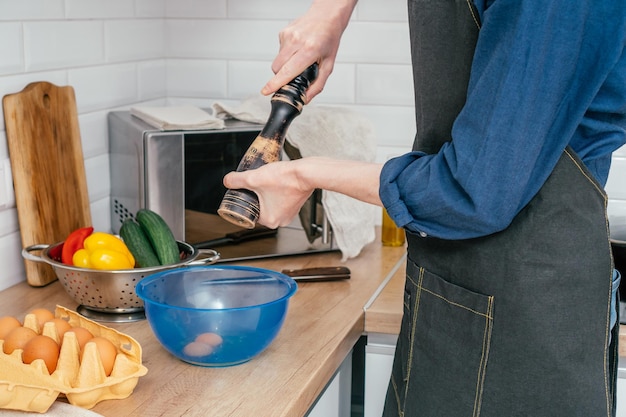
546,74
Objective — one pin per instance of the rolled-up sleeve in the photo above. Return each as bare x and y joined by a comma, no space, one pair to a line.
539,66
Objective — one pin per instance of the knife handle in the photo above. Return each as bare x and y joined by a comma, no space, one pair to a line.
250,234
318,273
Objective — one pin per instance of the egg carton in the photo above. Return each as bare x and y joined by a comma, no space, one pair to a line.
30,387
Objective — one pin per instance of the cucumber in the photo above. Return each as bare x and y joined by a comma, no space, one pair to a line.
160,236
138,244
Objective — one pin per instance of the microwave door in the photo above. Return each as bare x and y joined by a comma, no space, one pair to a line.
164,176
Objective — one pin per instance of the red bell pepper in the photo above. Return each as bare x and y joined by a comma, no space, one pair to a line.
73,243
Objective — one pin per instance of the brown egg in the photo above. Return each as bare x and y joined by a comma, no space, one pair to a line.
197,349
107,351
61,325
17,338
43,315
82,335
212,339
8,323
42,347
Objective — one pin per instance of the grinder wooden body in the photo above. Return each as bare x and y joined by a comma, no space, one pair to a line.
241,207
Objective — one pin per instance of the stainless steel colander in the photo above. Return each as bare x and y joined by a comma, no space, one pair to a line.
109,291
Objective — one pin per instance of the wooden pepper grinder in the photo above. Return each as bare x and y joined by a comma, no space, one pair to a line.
241,207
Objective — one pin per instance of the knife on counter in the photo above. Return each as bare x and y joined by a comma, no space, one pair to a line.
328,273
237,237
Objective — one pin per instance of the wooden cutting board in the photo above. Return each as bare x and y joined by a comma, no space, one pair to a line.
48,169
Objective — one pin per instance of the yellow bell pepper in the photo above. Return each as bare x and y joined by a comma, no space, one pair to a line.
103,251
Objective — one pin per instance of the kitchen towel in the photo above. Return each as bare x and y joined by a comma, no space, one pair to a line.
325,131
184,117
57,409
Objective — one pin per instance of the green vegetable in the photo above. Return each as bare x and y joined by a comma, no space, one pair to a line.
160,236
138,244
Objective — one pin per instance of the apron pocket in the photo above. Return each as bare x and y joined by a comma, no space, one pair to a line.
450,334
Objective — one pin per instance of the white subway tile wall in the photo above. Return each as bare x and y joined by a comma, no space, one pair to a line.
12,51
134,39
26,10
88,9
197,78
152,79
62,44
117,53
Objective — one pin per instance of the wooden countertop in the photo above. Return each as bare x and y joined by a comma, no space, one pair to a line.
324,321
383,314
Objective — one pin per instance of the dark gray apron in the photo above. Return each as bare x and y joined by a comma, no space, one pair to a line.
515,323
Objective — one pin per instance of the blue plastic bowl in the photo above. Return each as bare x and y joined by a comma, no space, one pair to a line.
216,315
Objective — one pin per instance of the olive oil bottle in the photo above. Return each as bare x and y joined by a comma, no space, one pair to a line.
392,235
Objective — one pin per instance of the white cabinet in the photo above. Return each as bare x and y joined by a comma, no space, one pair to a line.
379,353
621,388
621,397
335,401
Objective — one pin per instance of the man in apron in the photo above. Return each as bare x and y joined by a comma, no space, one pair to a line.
509,305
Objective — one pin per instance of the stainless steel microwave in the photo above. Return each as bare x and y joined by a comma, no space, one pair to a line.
178,174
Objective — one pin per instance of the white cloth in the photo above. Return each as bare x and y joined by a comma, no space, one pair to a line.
326,131
184,117
57,409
